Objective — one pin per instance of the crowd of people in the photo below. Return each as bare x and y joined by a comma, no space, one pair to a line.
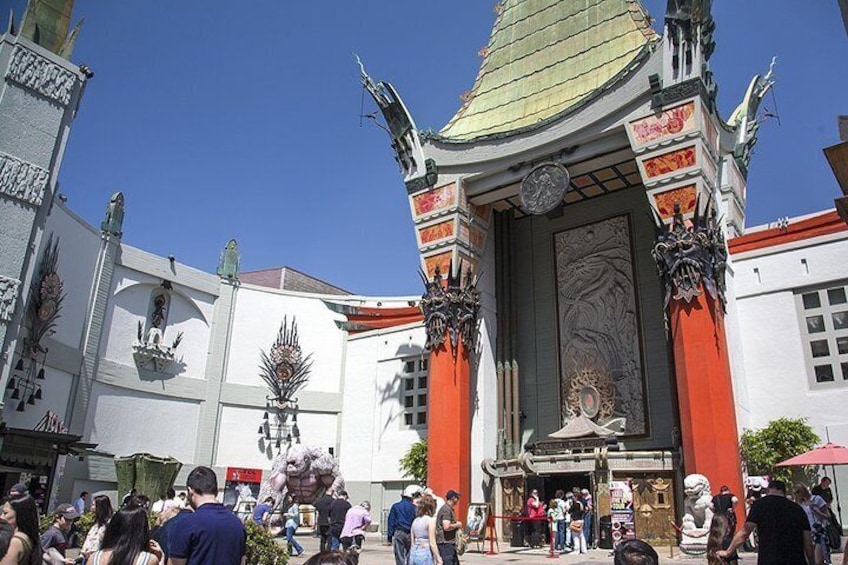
423,528
569,515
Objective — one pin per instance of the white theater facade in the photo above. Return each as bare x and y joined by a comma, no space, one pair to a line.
147,354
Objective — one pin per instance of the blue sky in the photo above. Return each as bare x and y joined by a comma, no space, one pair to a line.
219,122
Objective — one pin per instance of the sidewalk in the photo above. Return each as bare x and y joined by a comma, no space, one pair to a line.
375,552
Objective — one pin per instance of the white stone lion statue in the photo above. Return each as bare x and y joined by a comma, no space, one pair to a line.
697,514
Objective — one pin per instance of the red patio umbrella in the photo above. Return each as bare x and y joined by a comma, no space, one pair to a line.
828,454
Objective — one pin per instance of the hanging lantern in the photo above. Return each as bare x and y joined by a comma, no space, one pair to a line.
40,375
279,443
20,365
11,384
260,430
38,394
31,399
265,416
20,407
16,394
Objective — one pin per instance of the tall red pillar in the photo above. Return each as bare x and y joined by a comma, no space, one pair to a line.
450,309
705,394
449,424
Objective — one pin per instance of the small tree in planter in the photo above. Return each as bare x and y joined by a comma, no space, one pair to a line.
262,549
414,463
781,439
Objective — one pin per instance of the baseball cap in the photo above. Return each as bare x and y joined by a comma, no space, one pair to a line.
452,494
66,511
412,491
19,489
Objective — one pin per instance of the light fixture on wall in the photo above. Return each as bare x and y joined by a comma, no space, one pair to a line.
27,371
279,422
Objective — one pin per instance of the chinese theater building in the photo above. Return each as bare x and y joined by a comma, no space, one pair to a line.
571,220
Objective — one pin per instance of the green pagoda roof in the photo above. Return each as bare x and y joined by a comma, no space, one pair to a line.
546,57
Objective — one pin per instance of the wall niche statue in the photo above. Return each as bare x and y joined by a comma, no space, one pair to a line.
150,350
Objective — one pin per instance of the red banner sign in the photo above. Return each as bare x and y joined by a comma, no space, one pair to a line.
240,475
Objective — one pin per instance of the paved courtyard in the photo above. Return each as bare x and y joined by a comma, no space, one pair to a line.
375,552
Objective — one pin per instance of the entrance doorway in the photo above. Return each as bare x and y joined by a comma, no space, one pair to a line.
552,483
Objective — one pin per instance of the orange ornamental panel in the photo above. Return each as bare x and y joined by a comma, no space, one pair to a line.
436,200
686,196
441,260
436,232
481,214
472,236
670,162
669,123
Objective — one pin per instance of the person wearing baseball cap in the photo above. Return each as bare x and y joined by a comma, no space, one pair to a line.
446,527
401,516
54,541
18,490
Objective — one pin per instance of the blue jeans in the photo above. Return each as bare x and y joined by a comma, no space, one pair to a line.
400,547
587,528
421,555
560,534
293,542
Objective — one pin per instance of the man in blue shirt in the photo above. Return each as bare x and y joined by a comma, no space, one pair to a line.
400,521
261,510
213,535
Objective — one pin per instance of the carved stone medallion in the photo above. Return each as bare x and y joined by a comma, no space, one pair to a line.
543,188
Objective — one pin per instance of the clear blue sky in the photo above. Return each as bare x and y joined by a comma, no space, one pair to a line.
222,120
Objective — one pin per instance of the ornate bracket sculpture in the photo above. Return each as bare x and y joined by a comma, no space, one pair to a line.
450,309
418,173
285,370
43,311
691,256
113,222
691,21
228,264
150,349
589,406
744,118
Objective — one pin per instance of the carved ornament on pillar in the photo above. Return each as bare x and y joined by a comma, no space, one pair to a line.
689,256
450,309
40,75
691,21
21,180
9,290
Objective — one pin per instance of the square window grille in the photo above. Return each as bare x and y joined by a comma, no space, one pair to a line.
811,300
823,322
413,395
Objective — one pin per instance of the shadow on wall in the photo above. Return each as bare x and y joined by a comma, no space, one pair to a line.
391,392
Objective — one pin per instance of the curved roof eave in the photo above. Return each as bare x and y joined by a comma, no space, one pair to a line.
625,97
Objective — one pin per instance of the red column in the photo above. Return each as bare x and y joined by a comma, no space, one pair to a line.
705,394
449,424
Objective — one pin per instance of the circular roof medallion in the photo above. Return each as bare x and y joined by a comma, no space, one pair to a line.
590,401
543,188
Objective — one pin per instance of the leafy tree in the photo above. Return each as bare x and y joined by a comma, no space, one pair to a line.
414,462
781,439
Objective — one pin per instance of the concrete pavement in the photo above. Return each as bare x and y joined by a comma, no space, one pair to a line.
375,552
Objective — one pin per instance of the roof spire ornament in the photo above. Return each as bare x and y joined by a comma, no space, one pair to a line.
418,172
744,118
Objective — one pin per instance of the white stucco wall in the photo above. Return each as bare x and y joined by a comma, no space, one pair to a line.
258,315
189,312
123,421
770,332
239,444
373,438
55,389
79,246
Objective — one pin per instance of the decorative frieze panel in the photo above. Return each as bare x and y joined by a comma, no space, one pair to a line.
9,290
449,228
21,180
670,123
599,342
40,75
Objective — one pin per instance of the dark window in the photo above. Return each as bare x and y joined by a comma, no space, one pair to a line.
836,296
820,348
811,300
824,373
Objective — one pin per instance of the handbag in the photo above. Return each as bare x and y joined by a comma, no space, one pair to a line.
461,541
576,525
